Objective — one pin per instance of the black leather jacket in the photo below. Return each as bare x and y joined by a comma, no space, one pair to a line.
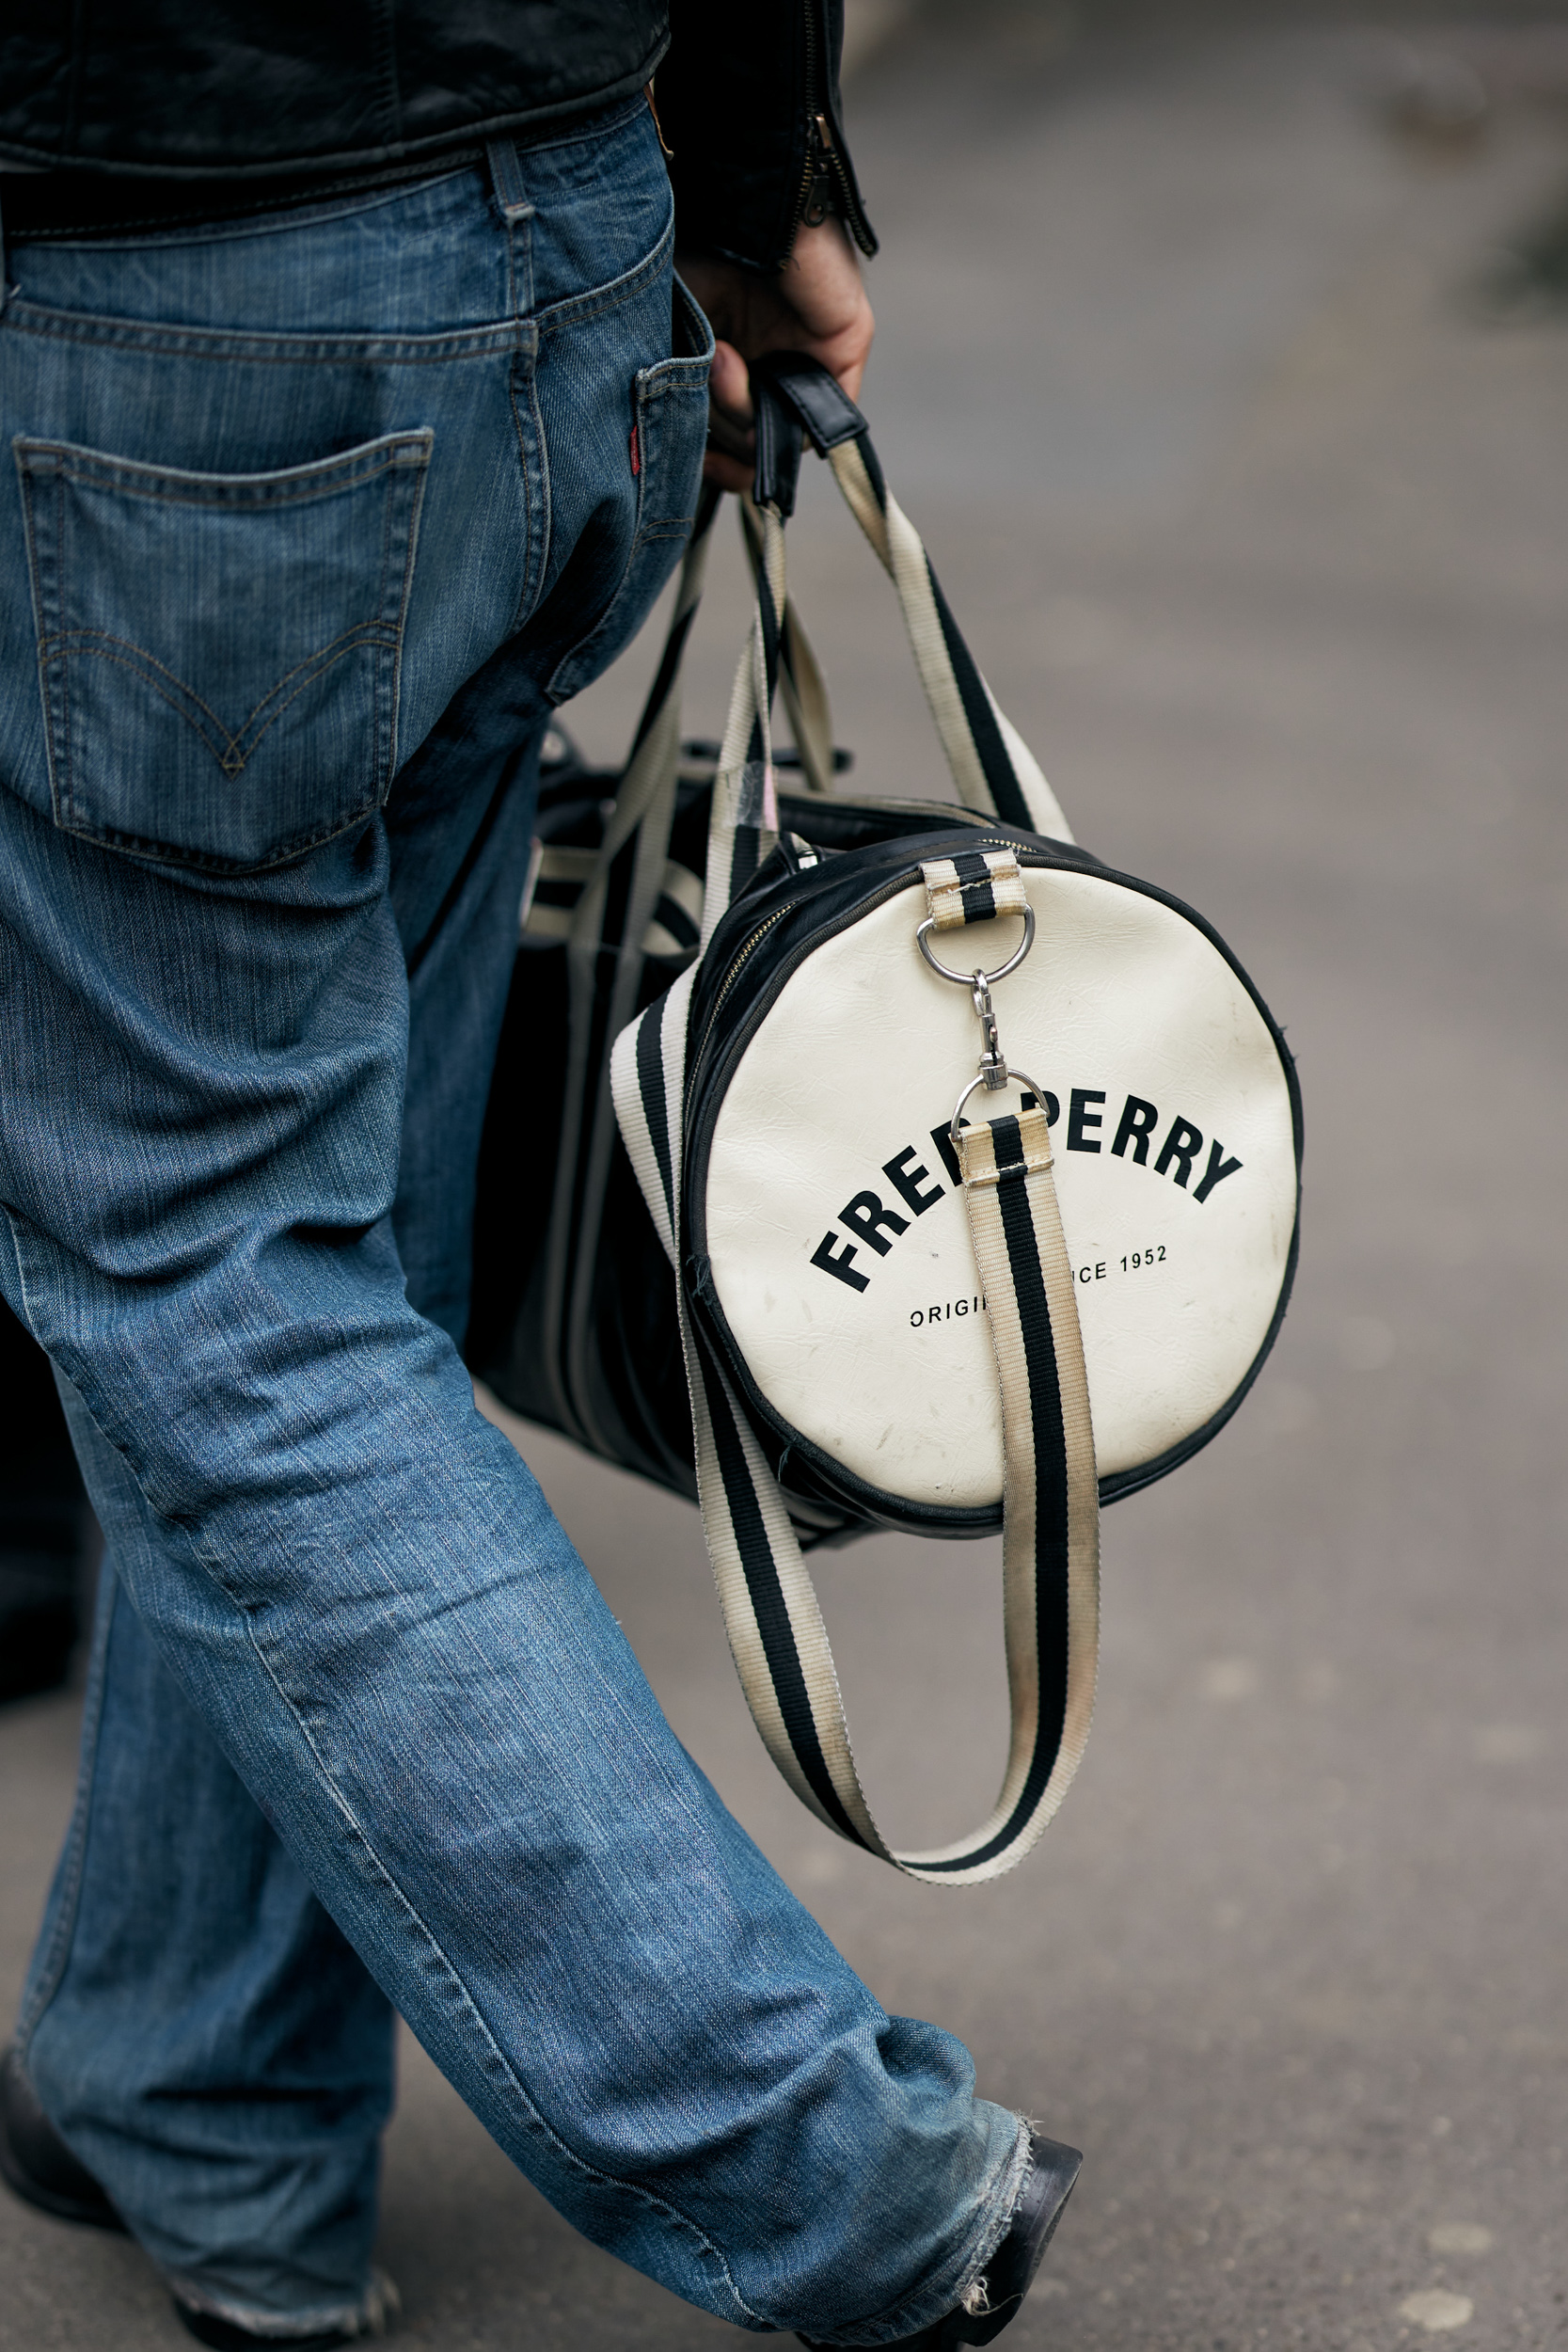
190,91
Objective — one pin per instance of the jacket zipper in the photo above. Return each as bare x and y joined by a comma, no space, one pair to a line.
825,175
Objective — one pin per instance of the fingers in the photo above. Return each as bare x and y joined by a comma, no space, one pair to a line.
728,384
819,307
731,442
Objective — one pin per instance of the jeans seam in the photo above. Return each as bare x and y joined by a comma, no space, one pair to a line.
377,730
392,656
639,538
62,686
519,248
53,1972
204,862
621,111
231,506
537,545
471,2007
265,350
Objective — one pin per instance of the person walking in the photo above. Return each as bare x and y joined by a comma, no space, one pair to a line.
355,419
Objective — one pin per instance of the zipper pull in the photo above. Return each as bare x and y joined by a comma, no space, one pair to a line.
819,176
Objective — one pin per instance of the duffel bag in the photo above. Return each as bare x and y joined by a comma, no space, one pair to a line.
953,1234
977,1165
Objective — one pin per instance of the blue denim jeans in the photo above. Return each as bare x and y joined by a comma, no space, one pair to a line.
313,516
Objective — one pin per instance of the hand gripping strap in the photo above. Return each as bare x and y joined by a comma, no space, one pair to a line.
1051,1538
992,766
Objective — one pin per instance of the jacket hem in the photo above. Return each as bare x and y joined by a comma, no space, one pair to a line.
518,122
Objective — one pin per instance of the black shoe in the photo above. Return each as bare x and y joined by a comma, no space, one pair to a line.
224,2336
1010,2272
35,2161
378,2315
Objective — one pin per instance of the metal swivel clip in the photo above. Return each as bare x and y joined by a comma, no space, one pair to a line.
992,1065
993,1072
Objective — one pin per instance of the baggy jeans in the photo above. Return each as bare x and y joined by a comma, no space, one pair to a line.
313,514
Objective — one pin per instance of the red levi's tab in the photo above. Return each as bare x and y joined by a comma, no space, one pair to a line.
636,452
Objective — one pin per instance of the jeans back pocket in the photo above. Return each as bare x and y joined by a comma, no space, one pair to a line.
219,653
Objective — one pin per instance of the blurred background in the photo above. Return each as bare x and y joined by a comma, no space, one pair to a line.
1224,365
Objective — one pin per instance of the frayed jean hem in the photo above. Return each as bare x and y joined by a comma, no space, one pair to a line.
949,2286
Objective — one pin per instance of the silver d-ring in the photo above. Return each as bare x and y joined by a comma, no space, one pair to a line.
1018,1078
966,980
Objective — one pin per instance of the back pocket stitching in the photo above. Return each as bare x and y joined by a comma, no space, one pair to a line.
380,636
366,633
86,645
231,761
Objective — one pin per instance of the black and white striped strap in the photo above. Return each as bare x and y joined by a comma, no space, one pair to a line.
801,685
992,767
1051,1529
743,821
973,886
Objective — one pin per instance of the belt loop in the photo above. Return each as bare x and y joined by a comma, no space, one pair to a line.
517,210
506,178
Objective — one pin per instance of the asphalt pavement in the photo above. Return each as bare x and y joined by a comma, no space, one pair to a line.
1257,519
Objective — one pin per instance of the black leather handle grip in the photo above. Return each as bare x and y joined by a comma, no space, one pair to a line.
796,395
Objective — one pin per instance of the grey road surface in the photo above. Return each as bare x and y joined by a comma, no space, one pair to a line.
1260,529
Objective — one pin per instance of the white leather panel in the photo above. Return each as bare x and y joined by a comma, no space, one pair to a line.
865,1051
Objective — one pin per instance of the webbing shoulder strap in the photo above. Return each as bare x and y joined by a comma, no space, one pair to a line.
801,681
992,766
1050,1515
743,819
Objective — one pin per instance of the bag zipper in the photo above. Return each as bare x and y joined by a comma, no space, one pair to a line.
825,175
734,973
